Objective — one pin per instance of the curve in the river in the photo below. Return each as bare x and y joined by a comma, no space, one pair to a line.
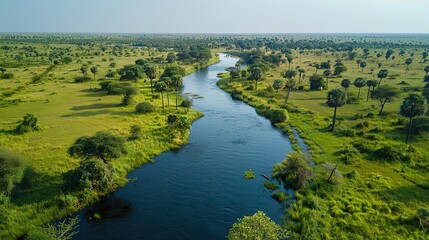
199,191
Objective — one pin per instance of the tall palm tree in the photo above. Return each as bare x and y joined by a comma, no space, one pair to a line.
150,72
336,98
359,83
382,74
177,81
301,71
408,61
256,73
290,83
327,73
371,84
412,106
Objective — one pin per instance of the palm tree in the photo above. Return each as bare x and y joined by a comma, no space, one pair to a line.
150,72
94,70
327,73
346,84
412,106
277,84
408,61
177,81
359,83
300,71
289,59
362,65
290,83
371,84
382,74
336,98
161,86
256,73
168,84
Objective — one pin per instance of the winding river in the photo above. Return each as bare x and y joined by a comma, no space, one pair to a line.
199,191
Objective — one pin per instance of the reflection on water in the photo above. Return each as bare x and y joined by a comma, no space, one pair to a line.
199,191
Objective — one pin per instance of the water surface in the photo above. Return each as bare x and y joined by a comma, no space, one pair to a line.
199,191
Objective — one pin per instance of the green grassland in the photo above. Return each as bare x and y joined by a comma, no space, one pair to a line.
382,201
66,111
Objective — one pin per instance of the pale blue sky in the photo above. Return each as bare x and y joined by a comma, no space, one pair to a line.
215,16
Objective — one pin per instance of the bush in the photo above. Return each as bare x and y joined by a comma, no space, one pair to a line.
172,119
420,125
117,88
27,124
12,169
145,107
280,196
271,186
135,132
249,174
8,75
91,173
388,153
105,85
110,74
81,79
186,103
277,116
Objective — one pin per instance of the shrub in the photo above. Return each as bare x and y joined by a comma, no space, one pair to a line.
12,169
280,196
249,174
8,75
172,119
362,125
105,85
91,173
27,124
145,107
135,132
186,103
276,116
420,124
81,79
271,186
110,74
388,153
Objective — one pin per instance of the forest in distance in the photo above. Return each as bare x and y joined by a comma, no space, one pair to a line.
79,112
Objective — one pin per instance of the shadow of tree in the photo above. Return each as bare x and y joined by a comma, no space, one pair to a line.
95,106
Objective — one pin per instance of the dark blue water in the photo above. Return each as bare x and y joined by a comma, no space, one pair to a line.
199,191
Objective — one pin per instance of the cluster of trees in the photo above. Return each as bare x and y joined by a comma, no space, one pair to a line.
192,54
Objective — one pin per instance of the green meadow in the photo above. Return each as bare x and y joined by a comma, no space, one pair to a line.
66,111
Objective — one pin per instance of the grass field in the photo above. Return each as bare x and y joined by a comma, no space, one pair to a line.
383,201
66,111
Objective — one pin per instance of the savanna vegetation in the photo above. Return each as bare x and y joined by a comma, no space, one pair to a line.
78,112
361,109
77,116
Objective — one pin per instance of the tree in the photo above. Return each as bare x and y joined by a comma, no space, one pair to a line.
408,61
384,94
382,74
131,72
301,71
171,57
94,71
327,73
336,98
177,81
359,83
316,82
362,65
345,83
256,74
277,84
371,84
162,87
316,66
172,70
290,83
294,171
257,226
424,55
102,145
358,62
339,69
129,92
389,53
12,168
140,62
289,59
150,72
426,69
84,70
412,106
243,73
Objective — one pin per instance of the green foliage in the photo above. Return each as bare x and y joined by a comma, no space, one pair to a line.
187,103
271,186
276,115
12,169
173,70
129,93
135,132
413,105
102,145
81,79
27,124
256,227
145,107
280,196
249,174
316,82
131,72
91,174
420,125
294,171
64,230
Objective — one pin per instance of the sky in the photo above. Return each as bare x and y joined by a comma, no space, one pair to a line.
215,16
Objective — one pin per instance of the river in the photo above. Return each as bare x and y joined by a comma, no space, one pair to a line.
199,191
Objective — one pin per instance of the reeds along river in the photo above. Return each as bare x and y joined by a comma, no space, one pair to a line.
199,191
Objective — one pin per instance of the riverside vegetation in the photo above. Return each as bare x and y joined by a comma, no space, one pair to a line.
362,112
80,111
76,117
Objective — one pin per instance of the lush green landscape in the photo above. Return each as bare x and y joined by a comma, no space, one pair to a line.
79,112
